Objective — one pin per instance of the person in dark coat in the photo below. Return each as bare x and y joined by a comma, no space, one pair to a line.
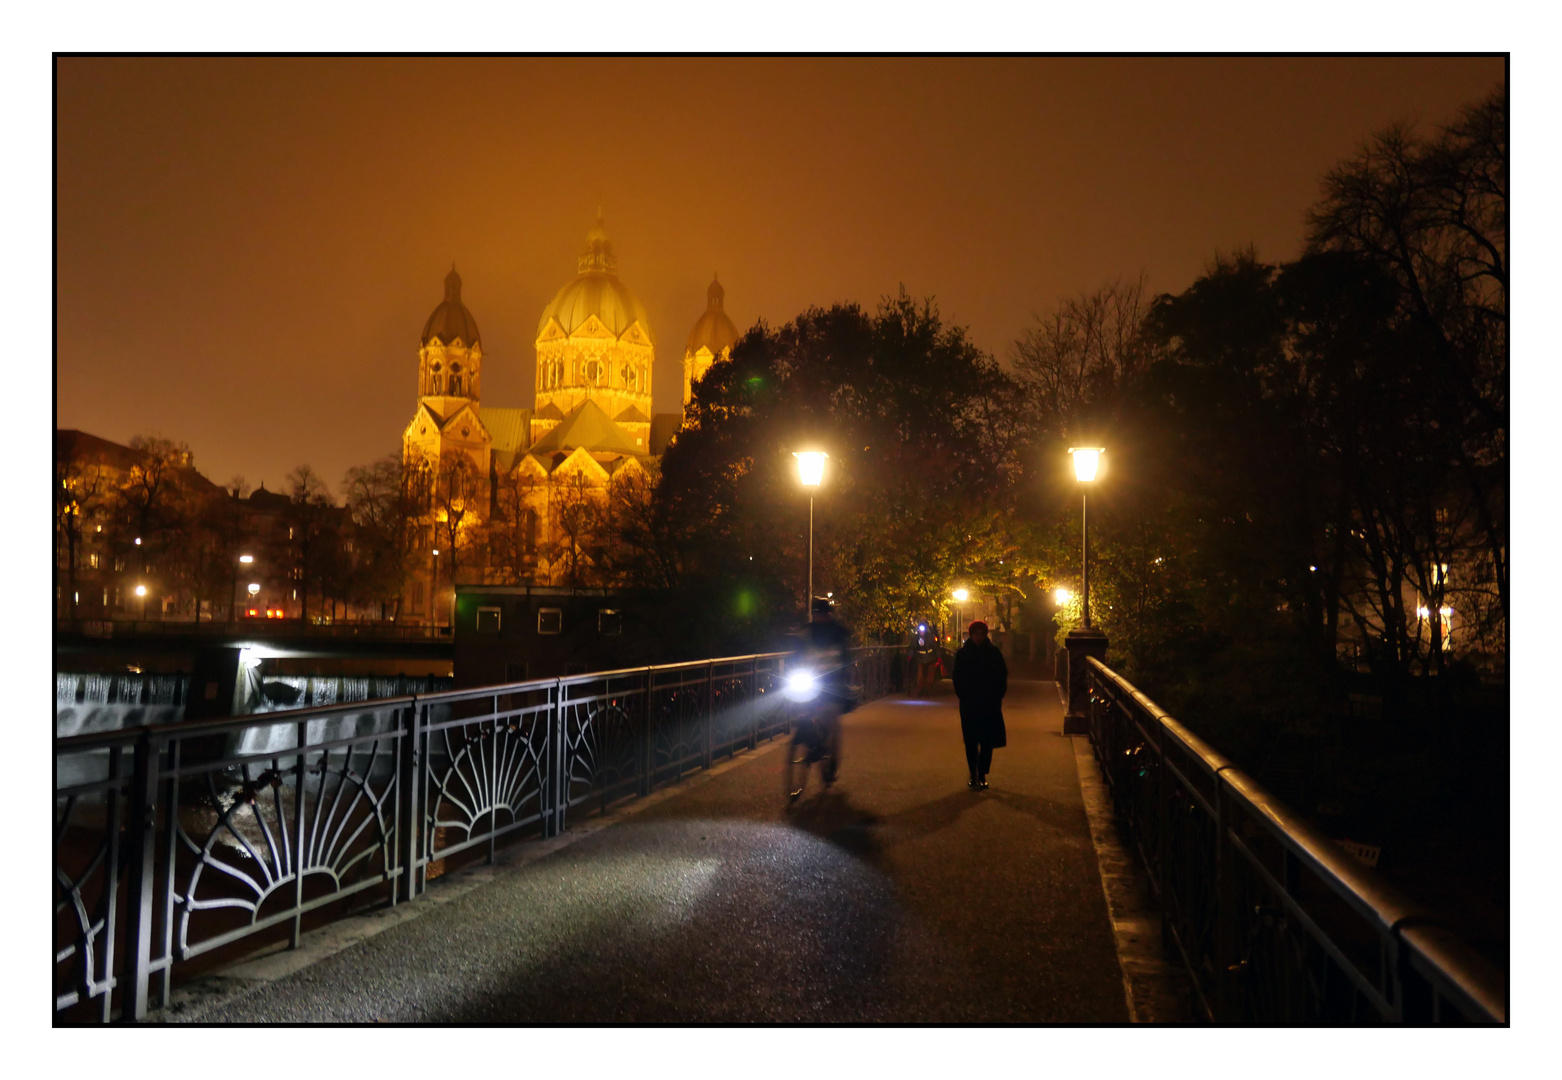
981,679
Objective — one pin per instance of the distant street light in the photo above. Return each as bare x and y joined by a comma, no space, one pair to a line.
1061,596
246,559
254,587
960,596
810,473
141,592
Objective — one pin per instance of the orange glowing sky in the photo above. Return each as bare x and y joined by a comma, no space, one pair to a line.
248,249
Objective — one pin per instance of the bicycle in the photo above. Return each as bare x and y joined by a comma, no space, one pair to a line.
815,740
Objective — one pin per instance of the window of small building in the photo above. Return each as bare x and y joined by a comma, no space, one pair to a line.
550,620
488,620
515,671
610,622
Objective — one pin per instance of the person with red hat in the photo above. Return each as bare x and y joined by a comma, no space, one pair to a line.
981,679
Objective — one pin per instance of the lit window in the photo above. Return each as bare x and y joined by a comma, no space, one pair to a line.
92,560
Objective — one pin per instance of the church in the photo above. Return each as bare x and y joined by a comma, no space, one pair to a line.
591,424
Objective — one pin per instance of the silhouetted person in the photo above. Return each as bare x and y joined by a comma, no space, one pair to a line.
981,679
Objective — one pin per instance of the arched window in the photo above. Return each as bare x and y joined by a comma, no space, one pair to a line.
593,371
631,376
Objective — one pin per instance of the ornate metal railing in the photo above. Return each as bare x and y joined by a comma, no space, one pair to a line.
175,840
1275,923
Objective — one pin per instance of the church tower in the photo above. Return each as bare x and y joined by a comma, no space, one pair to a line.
450,381
711,339
594,345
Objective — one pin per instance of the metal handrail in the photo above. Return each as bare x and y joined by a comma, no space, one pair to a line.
175,839
1423,972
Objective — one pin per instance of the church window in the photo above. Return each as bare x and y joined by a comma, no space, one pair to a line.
631,377
93,560
592,371
455,367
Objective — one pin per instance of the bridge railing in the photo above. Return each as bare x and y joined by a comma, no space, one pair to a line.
175,840
1274,921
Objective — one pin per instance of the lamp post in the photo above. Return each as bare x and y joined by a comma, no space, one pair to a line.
233,596
1084,641
810,473
960,596
433,586
141,592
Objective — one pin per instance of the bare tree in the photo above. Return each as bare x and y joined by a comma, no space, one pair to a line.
510,533
1088,345
309,519
381,503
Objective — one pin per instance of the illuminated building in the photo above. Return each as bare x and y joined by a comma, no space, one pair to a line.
591,424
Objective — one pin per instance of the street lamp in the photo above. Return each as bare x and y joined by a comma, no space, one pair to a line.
141,592
233,598
1061,596
433,585
960,596
1086,460
1083,642
810,473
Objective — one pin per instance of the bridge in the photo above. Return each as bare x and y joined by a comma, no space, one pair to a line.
616,847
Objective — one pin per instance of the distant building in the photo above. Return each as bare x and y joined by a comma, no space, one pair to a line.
590,426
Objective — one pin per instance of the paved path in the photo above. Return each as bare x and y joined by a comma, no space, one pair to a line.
900,895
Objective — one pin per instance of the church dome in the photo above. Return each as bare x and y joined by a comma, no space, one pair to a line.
714,330
451,319
596,291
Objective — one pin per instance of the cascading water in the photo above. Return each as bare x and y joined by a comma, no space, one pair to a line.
85,703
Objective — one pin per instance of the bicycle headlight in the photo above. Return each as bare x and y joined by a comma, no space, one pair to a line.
801,685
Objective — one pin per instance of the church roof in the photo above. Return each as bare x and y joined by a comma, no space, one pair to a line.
632,415
451,319
714,330
586,426
510,429
596,291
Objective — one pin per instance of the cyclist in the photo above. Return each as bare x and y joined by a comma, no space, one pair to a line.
924,653
819,676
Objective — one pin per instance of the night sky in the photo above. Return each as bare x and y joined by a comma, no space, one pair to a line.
248,249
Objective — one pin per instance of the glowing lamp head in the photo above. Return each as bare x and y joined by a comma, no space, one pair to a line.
1445,611
138,541
1061,596
1422,612
246,559
436,551
810,467
253,588
140,590
1087,459
961,595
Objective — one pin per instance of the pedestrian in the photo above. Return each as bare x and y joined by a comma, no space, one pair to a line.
981,679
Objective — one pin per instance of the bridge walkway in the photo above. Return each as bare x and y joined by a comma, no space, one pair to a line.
900,895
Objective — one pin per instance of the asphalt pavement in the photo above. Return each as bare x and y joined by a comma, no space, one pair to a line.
900,895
